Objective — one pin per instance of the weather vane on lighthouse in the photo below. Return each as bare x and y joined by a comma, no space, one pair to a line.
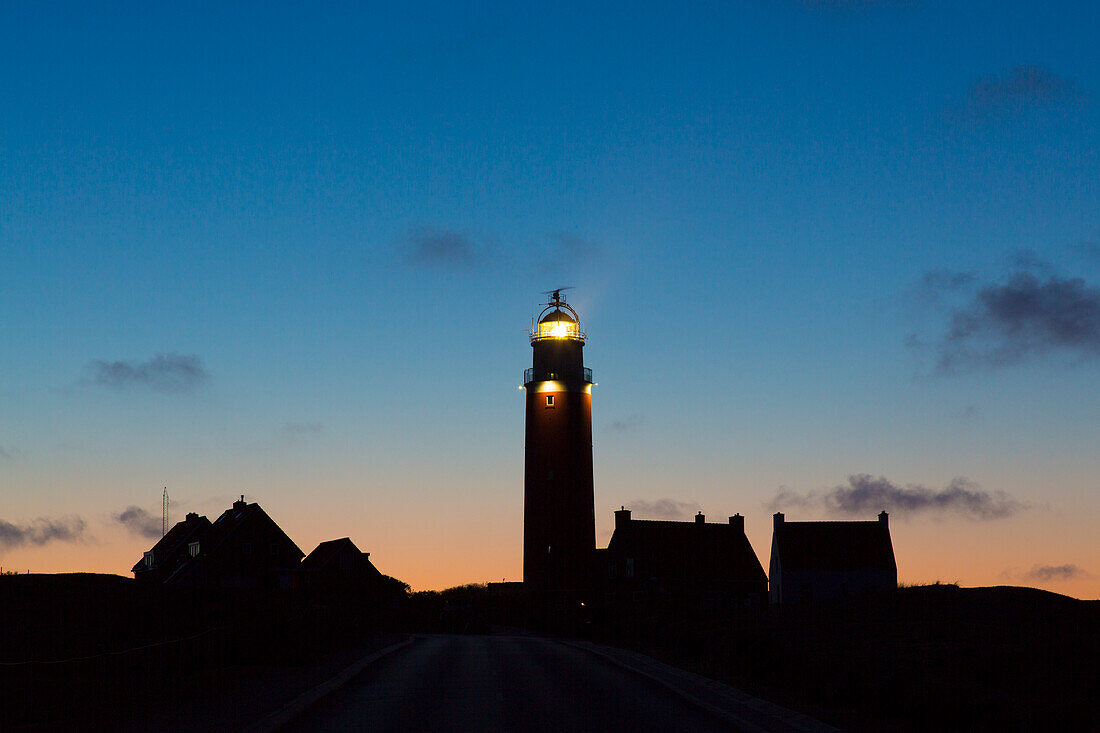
555,295
557,320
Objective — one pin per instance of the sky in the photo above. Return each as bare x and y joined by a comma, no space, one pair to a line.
832,257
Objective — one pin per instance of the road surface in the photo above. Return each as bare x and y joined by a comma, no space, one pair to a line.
501,683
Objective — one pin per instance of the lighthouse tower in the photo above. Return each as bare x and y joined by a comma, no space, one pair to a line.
559,524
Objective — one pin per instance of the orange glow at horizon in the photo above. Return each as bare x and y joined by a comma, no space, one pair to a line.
463,547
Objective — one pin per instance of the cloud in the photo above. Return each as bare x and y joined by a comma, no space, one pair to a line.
446,248
627,423
302,428
663,508
140,522
1013,90
40,532
865,494
1068,571
168,373
786,499
1021,318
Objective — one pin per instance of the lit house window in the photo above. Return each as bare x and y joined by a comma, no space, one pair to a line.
549,400
193,549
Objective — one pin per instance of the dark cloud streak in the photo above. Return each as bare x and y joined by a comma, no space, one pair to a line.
1018,88
40,532
1068,571
168,373
1021,318
444,248
786,499
140,522
627,423
663,509
865,495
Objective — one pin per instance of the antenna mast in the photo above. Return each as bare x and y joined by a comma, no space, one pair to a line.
164,512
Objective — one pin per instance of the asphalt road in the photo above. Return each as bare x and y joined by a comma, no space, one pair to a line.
500,683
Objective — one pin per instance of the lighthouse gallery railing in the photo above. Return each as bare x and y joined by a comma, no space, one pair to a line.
529,375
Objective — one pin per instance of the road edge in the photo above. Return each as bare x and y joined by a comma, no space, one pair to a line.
785,719
294,708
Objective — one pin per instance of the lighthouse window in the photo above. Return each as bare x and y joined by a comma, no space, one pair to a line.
549,400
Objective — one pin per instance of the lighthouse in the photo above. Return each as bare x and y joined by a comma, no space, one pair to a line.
559,525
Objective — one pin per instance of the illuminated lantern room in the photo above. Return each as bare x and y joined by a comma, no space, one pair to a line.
558,324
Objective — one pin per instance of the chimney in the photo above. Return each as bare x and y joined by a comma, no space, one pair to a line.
777,519
738,523
700,518
622,517
884,519
240,503
191,516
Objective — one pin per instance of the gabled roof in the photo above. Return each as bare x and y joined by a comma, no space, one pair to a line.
328,551
175,539
236,517
704,549
833,546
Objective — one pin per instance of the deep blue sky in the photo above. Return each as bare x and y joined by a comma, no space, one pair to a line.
810,240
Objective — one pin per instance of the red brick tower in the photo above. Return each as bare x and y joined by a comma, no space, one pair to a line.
559,524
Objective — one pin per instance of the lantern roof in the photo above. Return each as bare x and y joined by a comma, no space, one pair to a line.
557,315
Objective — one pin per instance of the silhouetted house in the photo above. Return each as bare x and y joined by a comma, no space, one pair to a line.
242,549
814,561
175,548
685,559
338,567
